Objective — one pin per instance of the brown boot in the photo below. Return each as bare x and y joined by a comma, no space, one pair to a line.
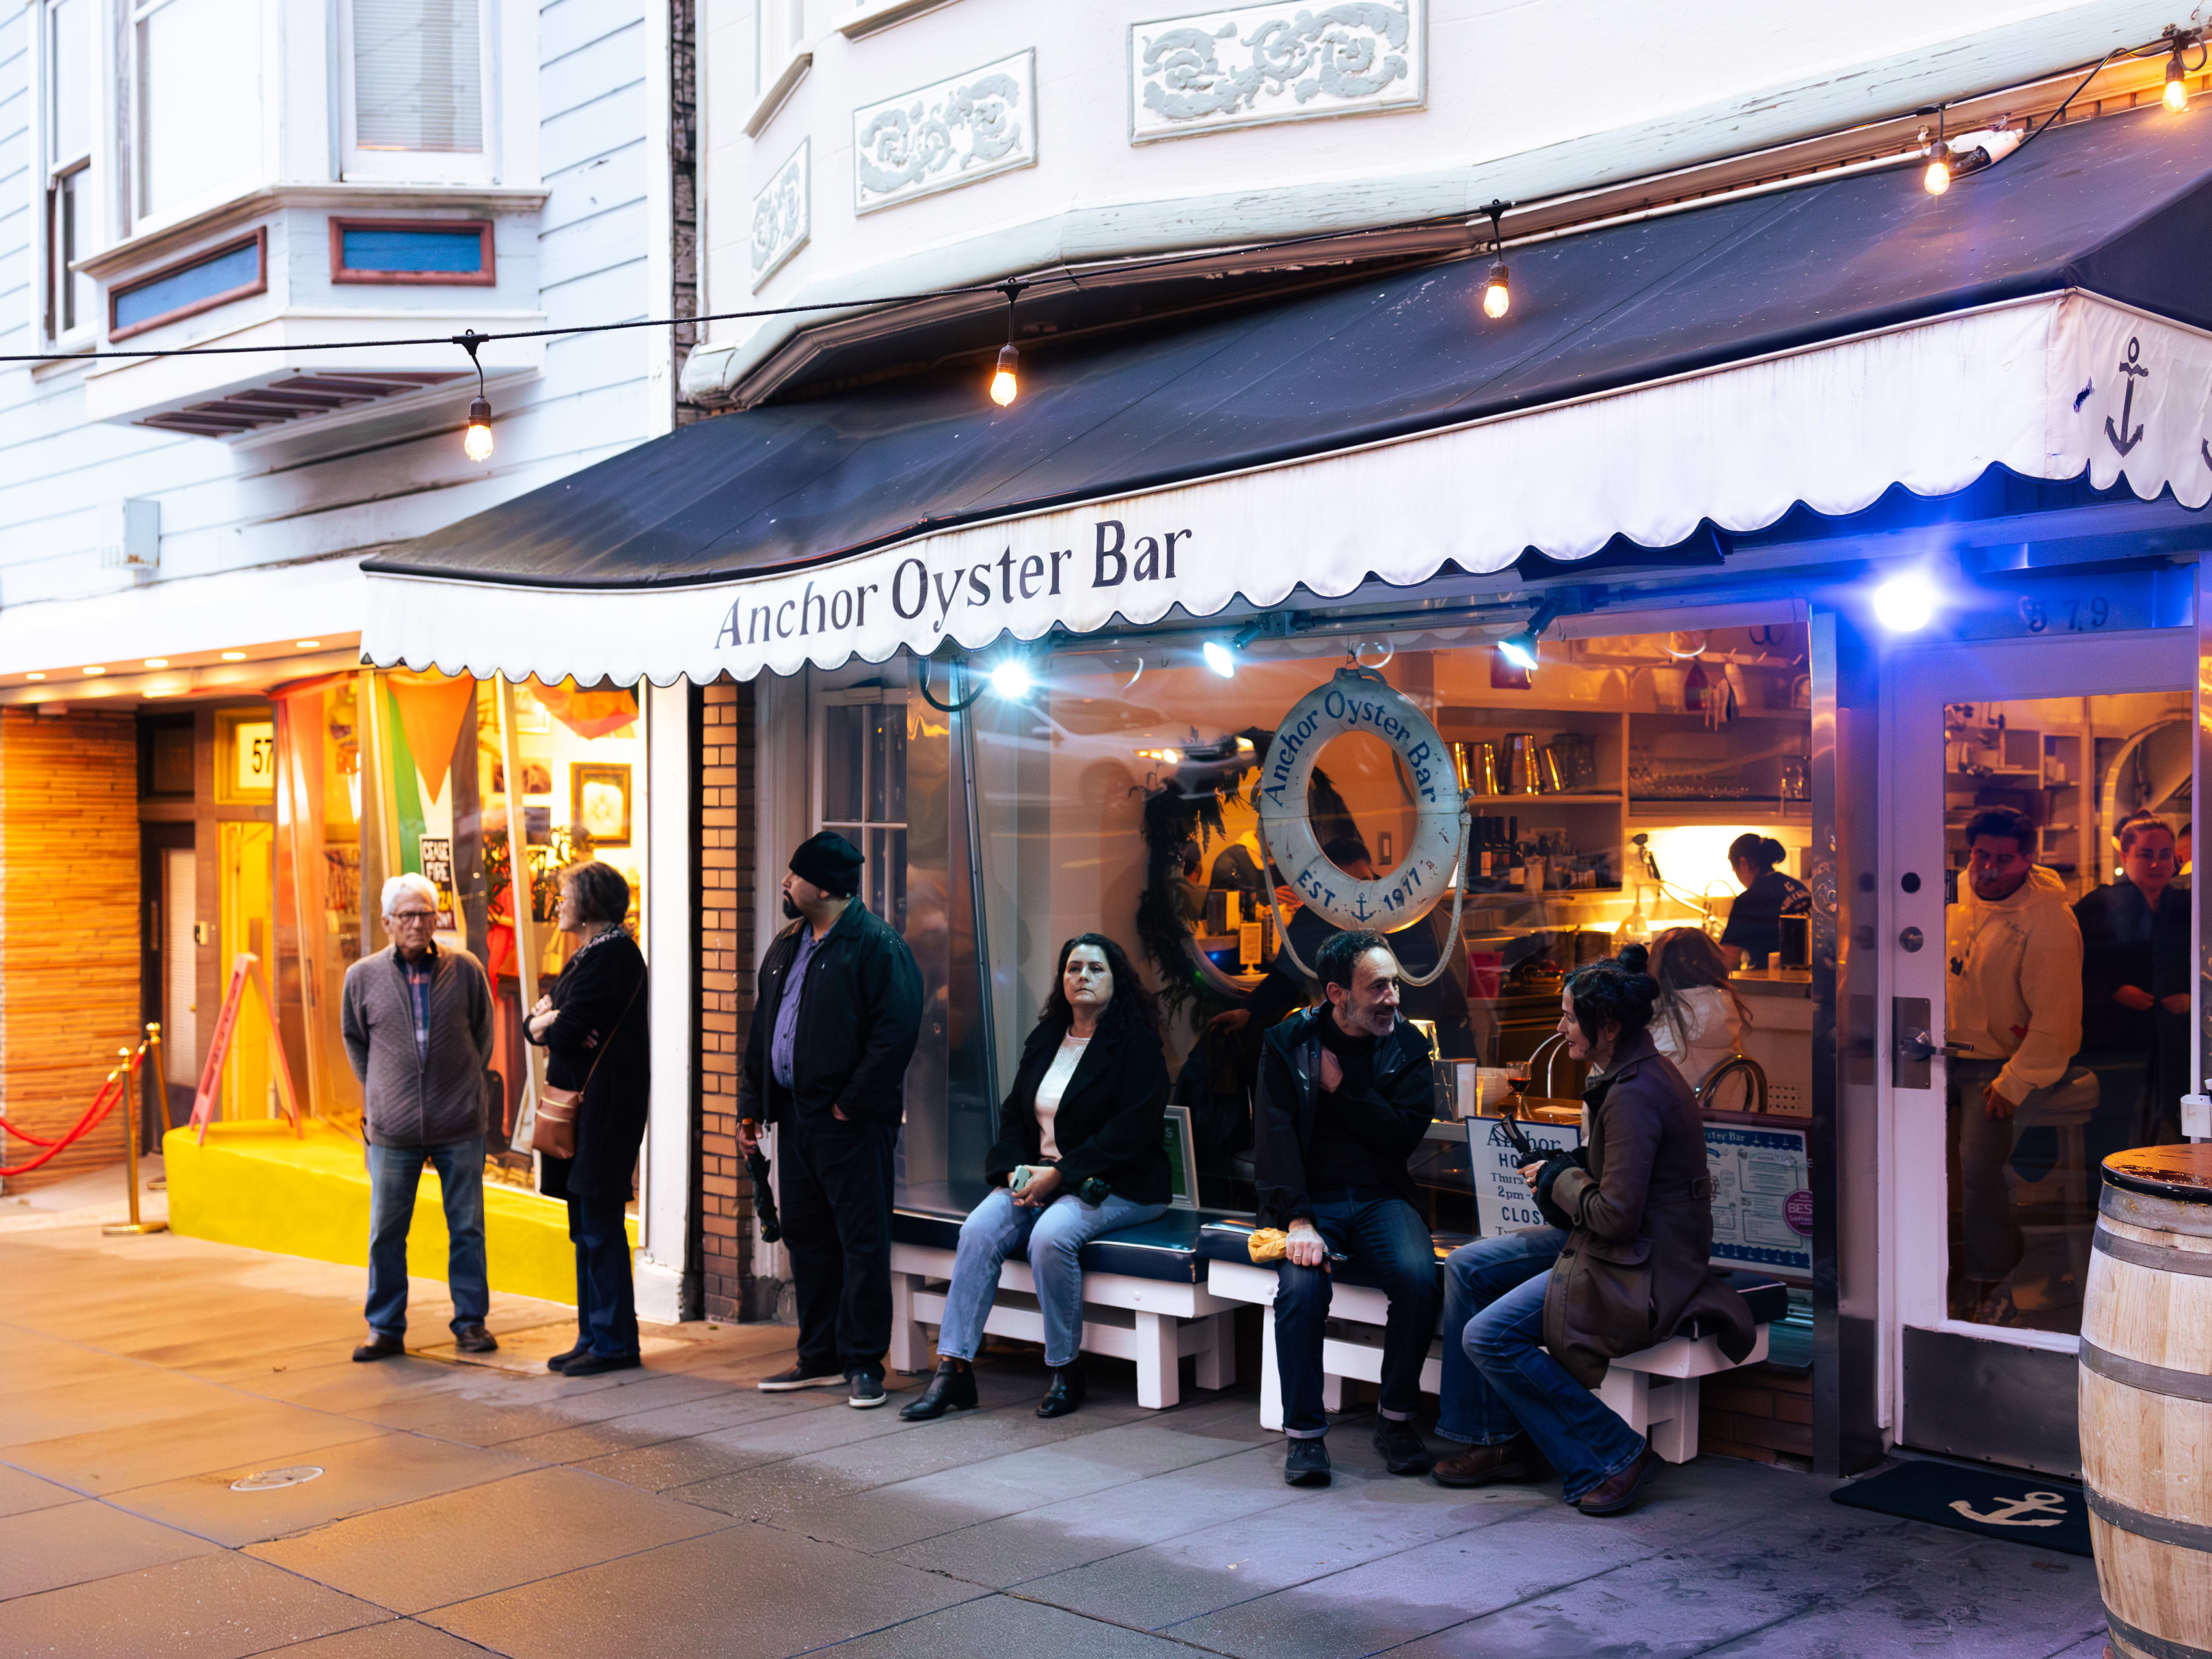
1484,1466
1621,1493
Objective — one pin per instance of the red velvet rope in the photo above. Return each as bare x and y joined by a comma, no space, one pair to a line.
102,1103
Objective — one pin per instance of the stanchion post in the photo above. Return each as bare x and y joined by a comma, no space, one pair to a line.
131,1132
154,1084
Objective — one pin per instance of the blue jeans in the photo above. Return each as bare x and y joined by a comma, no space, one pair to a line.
606,1301
1498,1382
393,1175
1054,1237
1386,1237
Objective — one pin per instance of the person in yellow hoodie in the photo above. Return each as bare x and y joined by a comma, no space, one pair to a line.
2014,1016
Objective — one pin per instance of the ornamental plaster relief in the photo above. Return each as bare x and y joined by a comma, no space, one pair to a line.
1250,66
782,214
955,133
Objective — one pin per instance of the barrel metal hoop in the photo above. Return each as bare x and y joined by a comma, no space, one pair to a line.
2158,1529
2143,1376
2159,1647
2157,1257
2155,1214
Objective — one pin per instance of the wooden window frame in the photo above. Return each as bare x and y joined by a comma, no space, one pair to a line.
259,240
342,273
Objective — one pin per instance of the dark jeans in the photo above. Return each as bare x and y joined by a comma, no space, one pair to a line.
1990,1244
394,1173
837,1201
606,1304
1388,1237
1499,1381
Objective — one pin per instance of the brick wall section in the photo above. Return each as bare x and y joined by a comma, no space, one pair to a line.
69,927
1761,1413
725,841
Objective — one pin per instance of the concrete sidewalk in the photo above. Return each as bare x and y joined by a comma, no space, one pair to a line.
462,1508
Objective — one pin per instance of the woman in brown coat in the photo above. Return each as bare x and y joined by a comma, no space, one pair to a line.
1536,1315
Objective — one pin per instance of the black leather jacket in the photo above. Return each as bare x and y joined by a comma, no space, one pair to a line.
1403,1098
859,1017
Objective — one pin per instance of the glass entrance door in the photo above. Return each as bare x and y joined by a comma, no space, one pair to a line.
2040,954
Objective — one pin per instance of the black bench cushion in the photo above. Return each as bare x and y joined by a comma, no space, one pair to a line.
1166,1250
1230,1241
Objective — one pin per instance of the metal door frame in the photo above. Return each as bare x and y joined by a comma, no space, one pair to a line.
1916,682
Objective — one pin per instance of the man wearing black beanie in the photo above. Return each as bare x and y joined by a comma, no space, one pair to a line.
836,1015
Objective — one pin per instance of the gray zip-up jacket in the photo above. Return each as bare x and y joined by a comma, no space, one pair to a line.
436,1099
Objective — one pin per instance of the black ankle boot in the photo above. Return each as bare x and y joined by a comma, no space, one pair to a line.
1066,1393
953,1389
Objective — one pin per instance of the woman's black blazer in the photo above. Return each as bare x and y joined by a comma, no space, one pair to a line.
1112,1120
601,997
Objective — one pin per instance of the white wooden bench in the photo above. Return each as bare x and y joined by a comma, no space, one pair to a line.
1145,1298
1654,1392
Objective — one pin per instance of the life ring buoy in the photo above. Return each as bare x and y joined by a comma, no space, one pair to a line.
1361,700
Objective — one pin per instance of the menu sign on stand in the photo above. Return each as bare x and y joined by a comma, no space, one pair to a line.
1503,1202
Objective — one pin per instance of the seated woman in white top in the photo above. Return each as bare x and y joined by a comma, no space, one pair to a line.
1700,1019
1081,1150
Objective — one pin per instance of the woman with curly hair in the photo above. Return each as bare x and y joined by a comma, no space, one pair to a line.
1081,1153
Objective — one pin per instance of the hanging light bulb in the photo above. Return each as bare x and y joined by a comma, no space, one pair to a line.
2176,85
475,442
1006,379
1497,298
1937,177
1496,295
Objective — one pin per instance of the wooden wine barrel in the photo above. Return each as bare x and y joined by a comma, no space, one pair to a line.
2147,1402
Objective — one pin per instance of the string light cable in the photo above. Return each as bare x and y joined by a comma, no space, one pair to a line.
2173,44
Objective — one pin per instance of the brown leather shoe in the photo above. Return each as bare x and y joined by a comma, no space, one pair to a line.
1484,1466
380,1347
475,1339
1622,1492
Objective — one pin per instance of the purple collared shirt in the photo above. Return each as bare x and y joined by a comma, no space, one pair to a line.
785,1040
419,974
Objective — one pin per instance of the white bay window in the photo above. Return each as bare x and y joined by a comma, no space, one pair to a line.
417,94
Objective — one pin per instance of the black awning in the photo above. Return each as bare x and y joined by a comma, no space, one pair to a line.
2117,206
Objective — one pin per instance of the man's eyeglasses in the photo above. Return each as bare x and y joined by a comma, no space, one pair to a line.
414,915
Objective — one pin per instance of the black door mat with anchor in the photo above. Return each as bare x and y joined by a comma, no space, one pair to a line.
2023,1509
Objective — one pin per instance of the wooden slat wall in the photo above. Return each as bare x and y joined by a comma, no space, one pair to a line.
69,926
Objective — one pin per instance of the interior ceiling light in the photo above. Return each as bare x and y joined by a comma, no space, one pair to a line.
476,441
234,656
308,645
1905,604
96,669
1006,380
1219,658
157,662
1519,648
1496,295
34,674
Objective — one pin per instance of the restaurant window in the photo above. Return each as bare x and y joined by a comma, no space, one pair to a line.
863,791
1608,788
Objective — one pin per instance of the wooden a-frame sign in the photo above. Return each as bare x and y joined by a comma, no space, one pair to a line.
245,967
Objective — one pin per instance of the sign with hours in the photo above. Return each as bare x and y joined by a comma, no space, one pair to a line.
1359,700
1503,1202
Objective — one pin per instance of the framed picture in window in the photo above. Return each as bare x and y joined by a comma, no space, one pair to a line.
598,803
1182,1160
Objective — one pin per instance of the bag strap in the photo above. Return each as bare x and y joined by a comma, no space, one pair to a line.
609,1043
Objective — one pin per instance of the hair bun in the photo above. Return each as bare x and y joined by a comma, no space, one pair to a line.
1774,852
1633,959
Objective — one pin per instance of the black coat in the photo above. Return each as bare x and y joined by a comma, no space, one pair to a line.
1112,1120
2125,941
602,1035
1402,1103
859,1017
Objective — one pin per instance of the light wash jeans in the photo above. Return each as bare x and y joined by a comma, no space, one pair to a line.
393,1173
1497,1379
1054,1237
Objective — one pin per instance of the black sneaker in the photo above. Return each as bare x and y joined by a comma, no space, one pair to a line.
1307,1463
867,1390
1404,1451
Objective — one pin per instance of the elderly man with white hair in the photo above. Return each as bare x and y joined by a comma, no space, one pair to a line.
418,1029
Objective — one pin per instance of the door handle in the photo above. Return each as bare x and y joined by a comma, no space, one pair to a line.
1919,1046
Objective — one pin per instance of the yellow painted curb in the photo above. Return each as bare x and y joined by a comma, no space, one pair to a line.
255,1184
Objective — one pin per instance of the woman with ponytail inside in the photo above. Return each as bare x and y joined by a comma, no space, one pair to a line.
1754,933
1532,1319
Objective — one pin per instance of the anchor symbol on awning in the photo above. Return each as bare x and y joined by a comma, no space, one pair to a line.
2035,1509
2133,370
